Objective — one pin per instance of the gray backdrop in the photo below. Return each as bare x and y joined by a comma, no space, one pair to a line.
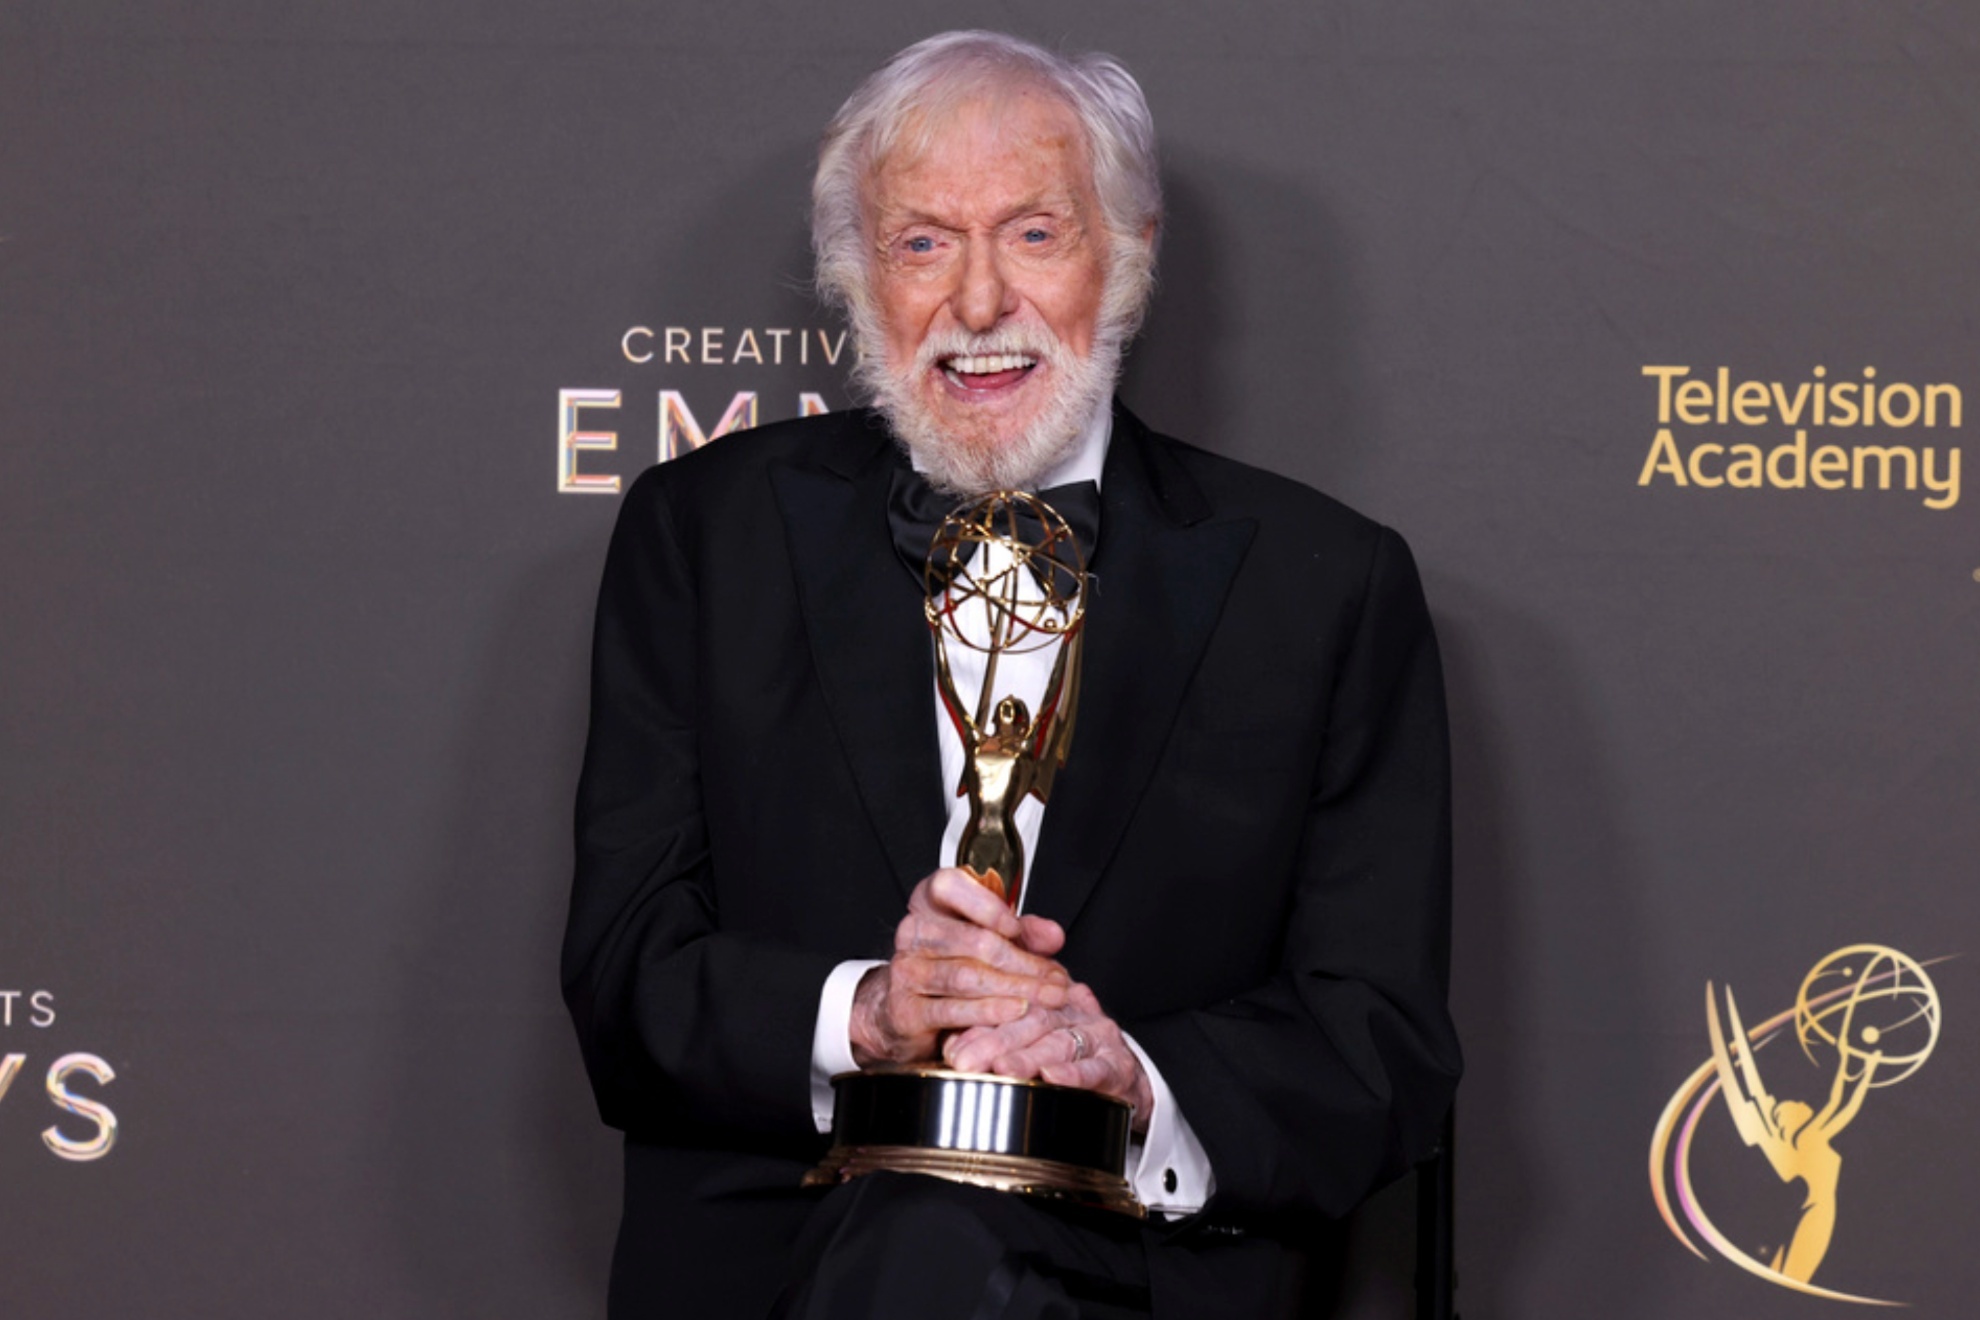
293,612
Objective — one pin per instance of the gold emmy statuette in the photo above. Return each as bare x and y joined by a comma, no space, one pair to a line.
1005,575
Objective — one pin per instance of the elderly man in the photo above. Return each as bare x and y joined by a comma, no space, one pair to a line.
1237,913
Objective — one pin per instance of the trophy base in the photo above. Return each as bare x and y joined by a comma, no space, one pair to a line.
1031,1138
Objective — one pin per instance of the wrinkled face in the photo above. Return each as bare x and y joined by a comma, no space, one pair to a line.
989,268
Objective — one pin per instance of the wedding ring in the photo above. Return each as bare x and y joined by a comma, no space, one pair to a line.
1079,1043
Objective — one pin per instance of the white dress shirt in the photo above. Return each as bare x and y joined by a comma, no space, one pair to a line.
1168,1169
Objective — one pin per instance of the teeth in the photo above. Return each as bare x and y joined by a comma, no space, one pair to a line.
984,364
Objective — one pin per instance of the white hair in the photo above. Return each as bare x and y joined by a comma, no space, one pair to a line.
895,108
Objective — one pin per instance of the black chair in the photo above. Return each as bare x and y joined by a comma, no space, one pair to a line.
1436,1228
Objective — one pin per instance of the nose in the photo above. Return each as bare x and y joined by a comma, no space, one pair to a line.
983,295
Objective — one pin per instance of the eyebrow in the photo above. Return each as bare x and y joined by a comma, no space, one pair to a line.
1032,206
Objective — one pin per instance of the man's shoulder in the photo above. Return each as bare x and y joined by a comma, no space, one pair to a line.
735,467
832,440
1283,507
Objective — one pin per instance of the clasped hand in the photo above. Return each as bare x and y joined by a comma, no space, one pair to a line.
978,986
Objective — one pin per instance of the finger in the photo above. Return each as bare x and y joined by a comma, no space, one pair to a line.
1029,1049
1019,1032
978,1050
956,893
1083,1001
1102,1073
1018,1067
1034,1057
987,946
936,935
932,937
966,978
980,1054
922,1017
1054,981
1042,935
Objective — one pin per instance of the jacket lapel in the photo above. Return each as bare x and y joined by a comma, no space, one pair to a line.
869,642
1160,575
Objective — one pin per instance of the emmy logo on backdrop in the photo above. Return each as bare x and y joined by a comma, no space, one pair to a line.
1869,1016
1005,575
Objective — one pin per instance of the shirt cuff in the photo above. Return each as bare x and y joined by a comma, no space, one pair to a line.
1170,1172
831,1039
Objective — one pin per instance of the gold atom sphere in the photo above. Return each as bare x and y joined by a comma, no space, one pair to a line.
1033,596
1878,1001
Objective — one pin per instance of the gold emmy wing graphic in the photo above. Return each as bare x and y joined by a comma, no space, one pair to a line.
1867,1014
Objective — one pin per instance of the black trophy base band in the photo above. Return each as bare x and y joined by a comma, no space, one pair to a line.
1027,1137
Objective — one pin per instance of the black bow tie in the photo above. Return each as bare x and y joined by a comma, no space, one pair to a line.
915,511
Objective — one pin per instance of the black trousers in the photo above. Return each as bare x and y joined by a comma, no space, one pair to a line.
892,1244
748,1239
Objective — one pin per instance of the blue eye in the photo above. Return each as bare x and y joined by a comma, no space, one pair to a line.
921,244
1037,236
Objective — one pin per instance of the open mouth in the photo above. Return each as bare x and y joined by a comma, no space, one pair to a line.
982,372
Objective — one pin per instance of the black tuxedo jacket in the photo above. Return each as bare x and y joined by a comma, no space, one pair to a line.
1249,847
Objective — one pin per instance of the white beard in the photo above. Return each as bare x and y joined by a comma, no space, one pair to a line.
975,460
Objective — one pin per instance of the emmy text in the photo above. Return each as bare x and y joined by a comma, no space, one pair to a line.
60,1077
582,416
